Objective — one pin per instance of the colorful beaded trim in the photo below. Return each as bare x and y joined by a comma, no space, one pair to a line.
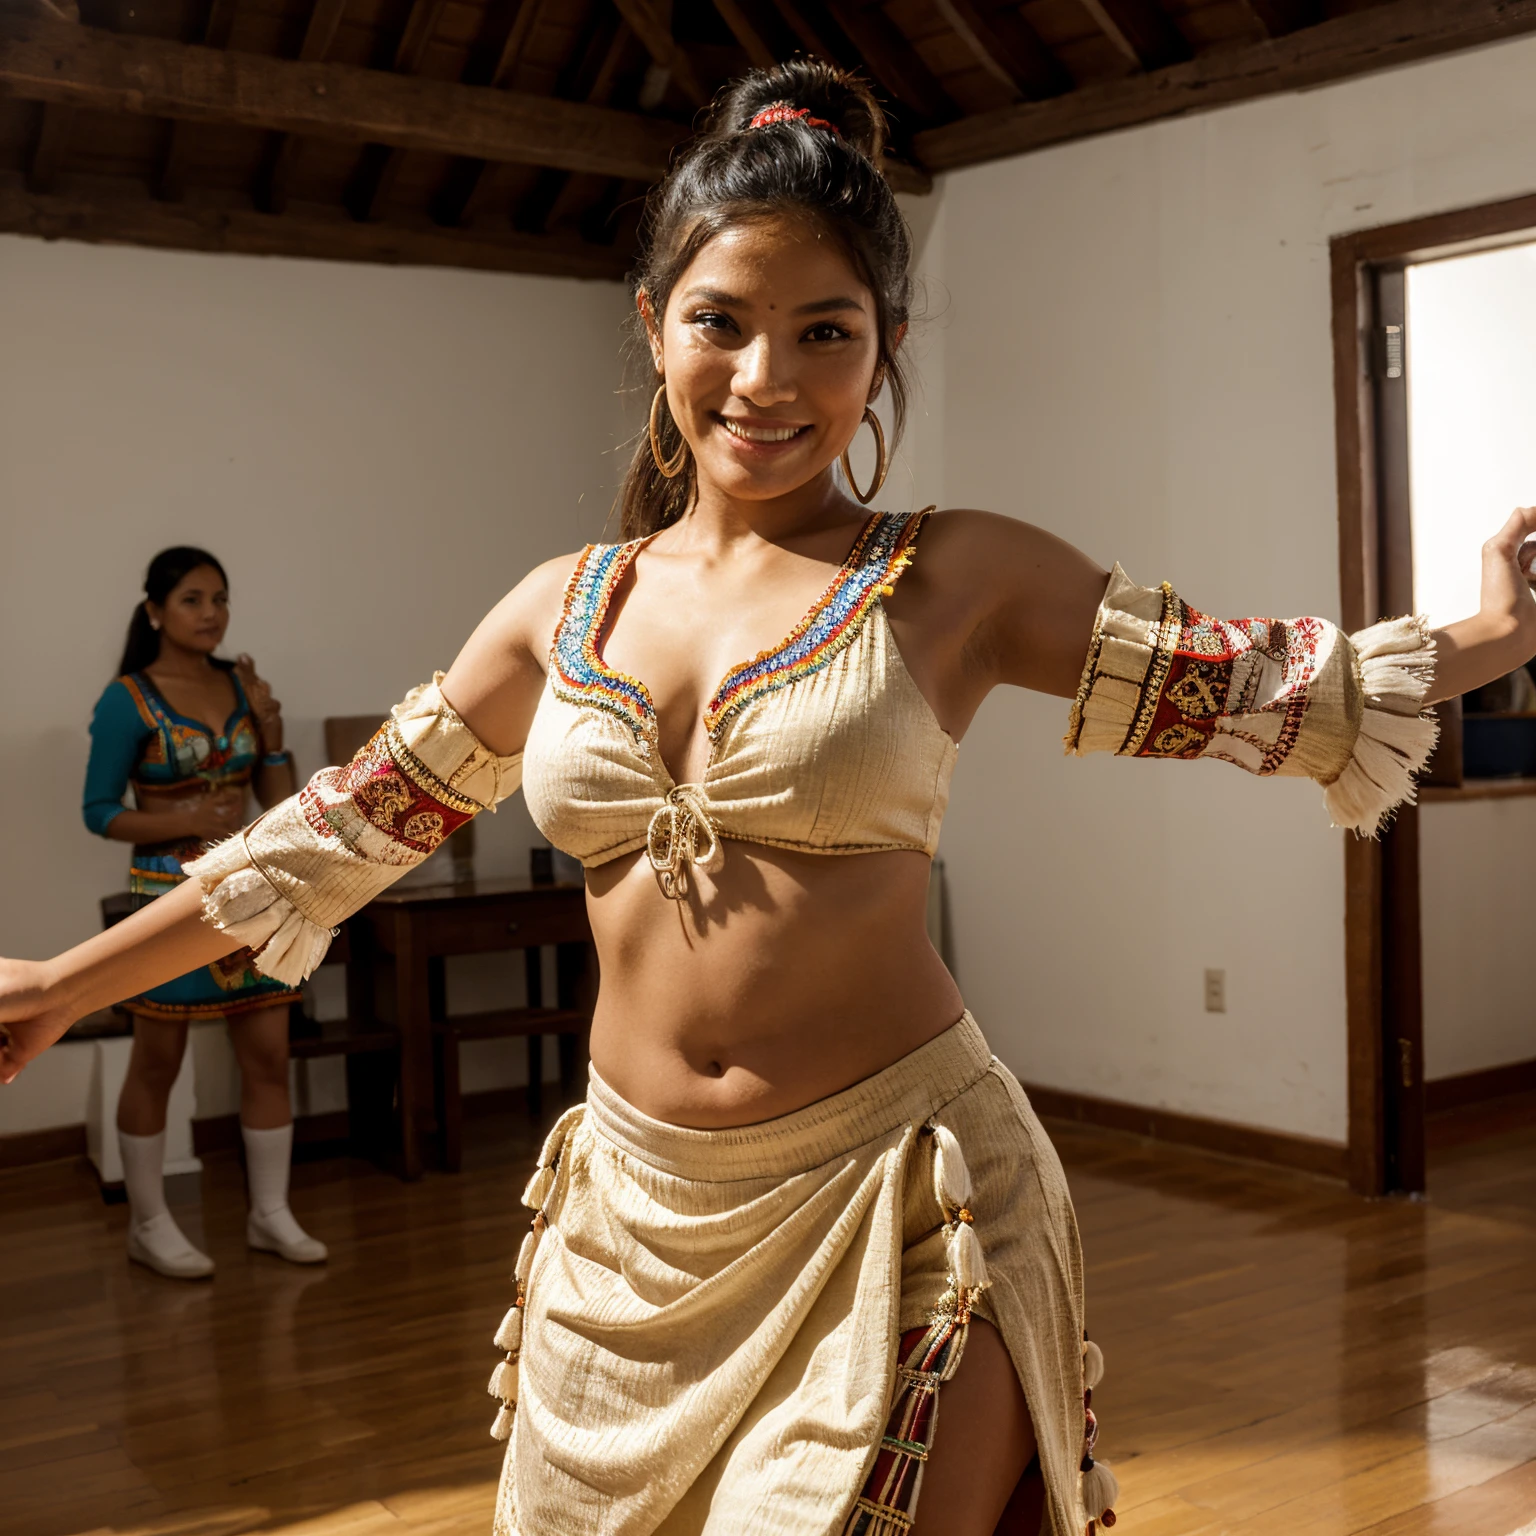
579,675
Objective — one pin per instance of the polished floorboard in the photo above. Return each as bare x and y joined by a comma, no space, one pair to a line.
1283,1358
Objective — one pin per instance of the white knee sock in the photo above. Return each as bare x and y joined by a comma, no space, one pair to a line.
144,1175
268,1155
272,1225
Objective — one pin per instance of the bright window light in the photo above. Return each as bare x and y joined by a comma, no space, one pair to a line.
1471,414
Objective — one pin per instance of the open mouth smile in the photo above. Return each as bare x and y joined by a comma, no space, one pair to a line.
761,432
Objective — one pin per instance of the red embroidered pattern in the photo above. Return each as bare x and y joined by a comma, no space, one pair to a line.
1220,668
389,796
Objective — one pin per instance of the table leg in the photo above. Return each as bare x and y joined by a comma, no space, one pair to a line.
413,1018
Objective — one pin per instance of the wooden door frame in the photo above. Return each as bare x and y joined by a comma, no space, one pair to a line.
1381,879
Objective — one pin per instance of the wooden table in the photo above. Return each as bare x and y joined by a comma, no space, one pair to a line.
420,926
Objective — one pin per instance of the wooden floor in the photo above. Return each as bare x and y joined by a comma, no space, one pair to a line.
1282,1357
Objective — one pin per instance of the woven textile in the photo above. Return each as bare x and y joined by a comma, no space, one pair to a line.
709,1338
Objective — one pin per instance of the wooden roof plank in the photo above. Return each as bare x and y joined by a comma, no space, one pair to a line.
892,59
171,179
83,66
1354,44
1141,30
812,38
754,44
273,185
53,131
652,28
108,215
1278,17
1008,48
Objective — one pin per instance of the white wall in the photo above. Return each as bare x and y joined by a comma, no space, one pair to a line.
1478,881
1136,354
375,454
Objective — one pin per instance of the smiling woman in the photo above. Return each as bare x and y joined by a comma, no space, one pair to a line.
800,1189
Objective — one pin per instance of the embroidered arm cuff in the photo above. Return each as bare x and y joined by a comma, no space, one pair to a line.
283,883
1290,697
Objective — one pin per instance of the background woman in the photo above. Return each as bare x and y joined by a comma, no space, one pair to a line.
800,1188
192,735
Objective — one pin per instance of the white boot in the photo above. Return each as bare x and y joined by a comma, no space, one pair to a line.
154,1238
271,1227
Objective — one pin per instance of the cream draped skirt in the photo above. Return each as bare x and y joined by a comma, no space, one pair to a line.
706,1335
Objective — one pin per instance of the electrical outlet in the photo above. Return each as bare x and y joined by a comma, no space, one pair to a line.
1215,991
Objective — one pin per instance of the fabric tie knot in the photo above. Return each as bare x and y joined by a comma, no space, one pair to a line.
681,833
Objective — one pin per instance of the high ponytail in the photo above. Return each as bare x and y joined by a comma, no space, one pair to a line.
166,572
821,158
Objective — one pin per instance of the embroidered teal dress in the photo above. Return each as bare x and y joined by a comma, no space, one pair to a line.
137,738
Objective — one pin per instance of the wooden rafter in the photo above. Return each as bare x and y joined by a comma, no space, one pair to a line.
1278,17
171,179
110,215
1141,30
812,38
319,33
54,128
462,190
649,25
892,59
1005,45
592,76
743,29
379,168
83,66
1348,45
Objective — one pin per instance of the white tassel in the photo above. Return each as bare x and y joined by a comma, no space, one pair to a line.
966,1263
538,1188
510,1335
502,1428
951,1178
1397,666
503,1383
1100,1490
525,1258
1093,1364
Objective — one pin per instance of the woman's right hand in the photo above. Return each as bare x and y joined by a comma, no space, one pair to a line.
220,812
31,1015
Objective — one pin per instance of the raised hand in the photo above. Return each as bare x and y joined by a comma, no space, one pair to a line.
1501,635
268,711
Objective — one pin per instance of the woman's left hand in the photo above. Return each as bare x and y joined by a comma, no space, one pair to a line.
1508,563
1501,635
268,711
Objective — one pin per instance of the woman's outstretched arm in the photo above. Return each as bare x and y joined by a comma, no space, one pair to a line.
449,751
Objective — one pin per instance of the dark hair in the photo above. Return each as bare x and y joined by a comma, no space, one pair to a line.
166,572
732,173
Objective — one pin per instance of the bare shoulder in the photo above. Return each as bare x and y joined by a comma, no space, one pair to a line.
995,548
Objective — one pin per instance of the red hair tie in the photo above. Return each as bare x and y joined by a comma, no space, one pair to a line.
784,112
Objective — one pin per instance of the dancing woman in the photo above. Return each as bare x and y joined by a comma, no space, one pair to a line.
193,735
800,1187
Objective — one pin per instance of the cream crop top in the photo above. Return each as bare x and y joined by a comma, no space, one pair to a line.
823,744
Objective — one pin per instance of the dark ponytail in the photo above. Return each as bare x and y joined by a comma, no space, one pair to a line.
166,572
733,172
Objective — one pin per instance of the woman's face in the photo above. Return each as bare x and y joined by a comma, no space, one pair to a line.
195,613
769,346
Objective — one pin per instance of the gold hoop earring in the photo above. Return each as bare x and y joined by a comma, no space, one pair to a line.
673,467
882,463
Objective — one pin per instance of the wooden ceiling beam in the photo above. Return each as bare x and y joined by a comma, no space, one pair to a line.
1007,48
1141,30
812,38
273,185
892,60
1278,17
655,31
109,72
105,214
53,131
1355,44
753,43
379,169
171,179
527,17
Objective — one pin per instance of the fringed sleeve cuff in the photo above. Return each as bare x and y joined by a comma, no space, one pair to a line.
281,885
1395,665
1294,697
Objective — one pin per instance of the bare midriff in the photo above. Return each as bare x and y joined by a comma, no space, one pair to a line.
780,979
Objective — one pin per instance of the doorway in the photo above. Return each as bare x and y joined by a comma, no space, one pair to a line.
1434,323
